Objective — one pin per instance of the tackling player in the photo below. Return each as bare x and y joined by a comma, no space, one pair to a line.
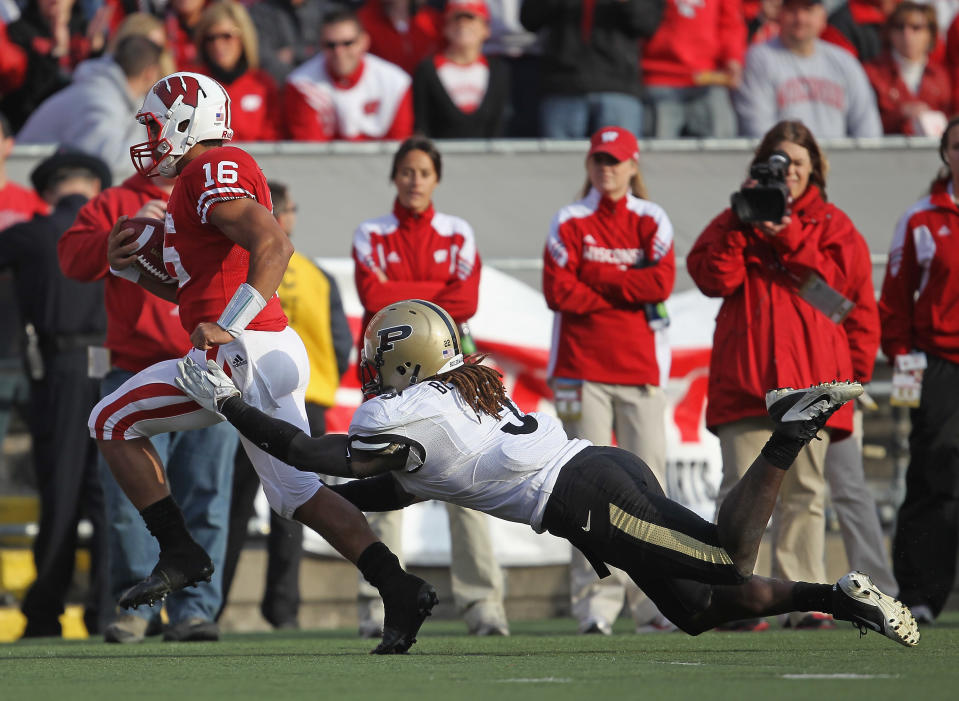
228,255
441,427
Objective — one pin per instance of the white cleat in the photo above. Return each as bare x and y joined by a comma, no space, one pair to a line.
800,413
857,599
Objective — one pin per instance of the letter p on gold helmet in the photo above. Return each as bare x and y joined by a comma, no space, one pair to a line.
405,343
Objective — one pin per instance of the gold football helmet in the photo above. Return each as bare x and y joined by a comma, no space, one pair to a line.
406,342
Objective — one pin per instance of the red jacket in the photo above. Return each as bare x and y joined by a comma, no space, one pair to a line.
923,259
604,261
429,256
701,37
422,38
19,204
766,335
891,92
142,329
254,107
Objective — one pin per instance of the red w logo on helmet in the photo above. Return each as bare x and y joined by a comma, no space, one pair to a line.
174,86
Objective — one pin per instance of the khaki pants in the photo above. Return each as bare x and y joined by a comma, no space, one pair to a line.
637,415
477,578
856,510
799,520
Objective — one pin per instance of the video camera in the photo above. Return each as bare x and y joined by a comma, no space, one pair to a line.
768,198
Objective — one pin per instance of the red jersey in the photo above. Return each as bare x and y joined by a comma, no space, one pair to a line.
604,262
429,256
142,329
920,293
18,204
207,265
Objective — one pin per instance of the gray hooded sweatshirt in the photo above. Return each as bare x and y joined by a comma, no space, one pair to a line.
95,113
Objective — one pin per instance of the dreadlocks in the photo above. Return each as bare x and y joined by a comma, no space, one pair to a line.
481,387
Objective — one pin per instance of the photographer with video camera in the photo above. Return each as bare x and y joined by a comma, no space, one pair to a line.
798,308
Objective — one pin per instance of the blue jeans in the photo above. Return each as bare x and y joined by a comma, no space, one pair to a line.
199,467
578,116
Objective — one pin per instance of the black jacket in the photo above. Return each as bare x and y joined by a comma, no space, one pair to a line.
61,310
608,61
439,118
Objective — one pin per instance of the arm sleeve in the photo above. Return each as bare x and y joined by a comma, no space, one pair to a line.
755,100
402,125
732,29
460,295
563,289
898,288
325,454
716,262
82,249
380,493
862,324
302,121
862,118
375,294
635,287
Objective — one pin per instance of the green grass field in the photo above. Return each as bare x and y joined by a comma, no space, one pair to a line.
541,660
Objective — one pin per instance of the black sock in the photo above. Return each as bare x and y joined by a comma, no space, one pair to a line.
813,597
378,564
165,521
781,451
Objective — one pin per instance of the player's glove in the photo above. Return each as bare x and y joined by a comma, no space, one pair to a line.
208,387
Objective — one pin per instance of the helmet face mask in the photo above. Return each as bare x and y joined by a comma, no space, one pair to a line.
178,112
405,343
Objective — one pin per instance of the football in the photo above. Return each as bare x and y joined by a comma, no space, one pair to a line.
148,233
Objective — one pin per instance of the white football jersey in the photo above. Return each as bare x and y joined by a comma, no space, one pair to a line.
505,467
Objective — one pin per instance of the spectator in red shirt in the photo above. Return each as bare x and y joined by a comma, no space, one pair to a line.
403,32
417,252
770,330
913,93
690,63
228,52
609,262
346,93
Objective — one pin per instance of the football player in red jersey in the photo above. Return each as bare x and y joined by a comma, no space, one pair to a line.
228,255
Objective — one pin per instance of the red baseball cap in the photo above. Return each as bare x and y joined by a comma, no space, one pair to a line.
616,141
467,7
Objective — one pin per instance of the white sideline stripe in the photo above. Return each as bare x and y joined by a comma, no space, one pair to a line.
541,680
841,675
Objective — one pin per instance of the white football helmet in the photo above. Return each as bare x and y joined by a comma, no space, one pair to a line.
405,343
179,111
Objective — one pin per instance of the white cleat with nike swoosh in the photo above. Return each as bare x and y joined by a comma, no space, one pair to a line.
800,413
857,599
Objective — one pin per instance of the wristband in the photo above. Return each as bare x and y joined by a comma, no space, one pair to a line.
241,310
130,273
